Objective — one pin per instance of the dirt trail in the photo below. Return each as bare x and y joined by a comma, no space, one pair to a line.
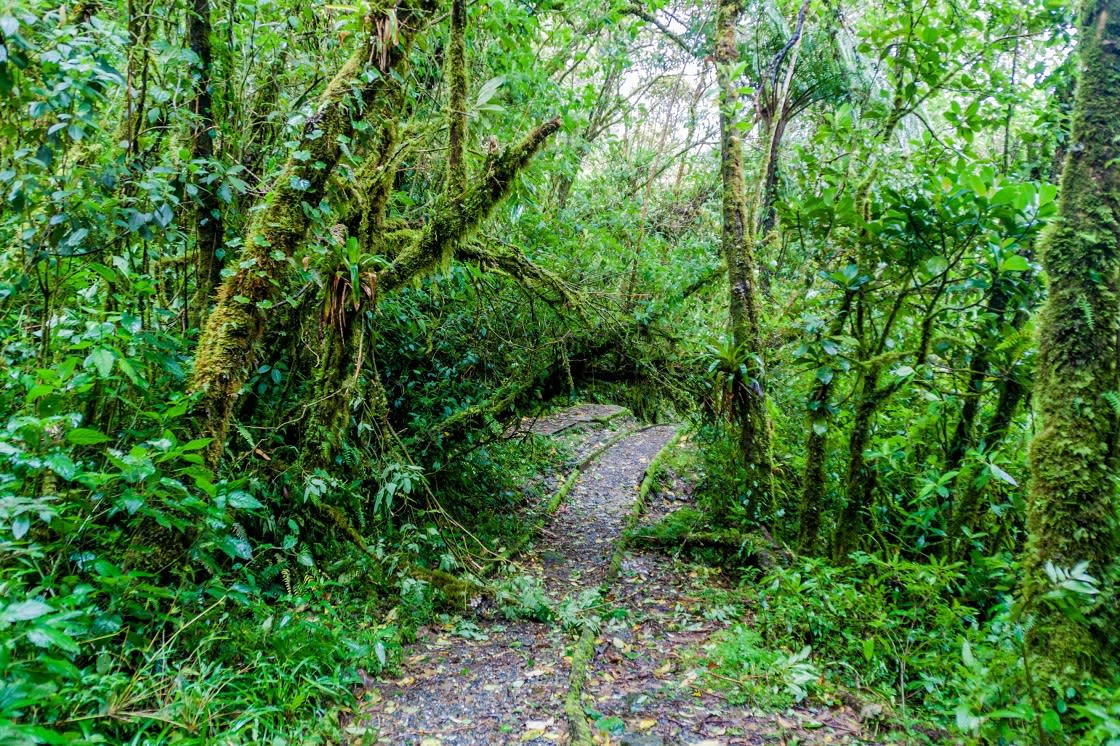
492,680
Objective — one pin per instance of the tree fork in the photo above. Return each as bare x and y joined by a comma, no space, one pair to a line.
226,350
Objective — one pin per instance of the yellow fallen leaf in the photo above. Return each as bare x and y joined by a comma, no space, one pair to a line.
646,724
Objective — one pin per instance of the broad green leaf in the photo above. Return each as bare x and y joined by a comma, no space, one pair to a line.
243,501
102,359
1001,475
84,436
25,611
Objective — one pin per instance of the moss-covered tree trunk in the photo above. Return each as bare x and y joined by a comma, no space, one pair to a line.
227,348
816,445
1072,504
860,484
738,251
457,101
208,218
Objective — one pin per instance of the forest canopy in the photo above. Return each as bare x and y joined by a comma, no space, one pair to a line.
282,282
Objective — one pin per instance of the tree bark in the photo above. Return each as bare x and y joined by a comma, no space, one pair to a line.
208,210
816,446
457,105
738,250
1072,505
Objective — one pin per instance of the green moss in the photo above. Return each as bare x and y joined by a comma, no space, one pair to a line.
738,252
1071,513
457,102
227,347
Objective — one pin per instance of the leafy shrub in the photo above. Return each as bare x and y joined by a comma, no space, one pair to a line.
761,676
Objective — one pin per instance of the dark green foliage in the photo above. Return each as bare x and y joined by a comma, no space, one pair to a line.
220,515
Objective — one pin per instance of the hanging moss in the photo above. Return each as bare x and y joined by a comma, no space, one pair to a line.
1071,509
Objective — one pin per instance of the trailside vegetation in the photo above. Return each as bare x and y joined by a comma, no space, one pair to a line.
279,280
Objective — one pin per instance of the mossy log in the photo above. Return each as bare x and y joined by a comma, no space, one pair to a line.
752,549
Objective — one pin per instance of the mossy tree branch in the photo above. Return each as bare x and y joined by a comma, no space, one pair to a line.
512,262
454,218
227,348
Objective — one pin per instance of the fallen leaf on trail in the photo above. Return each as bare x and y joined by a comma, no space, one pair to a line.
540,724
646,724
539,672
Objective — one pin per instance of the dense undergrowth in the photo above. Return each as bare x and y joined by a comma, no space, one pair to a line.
247,640
924,651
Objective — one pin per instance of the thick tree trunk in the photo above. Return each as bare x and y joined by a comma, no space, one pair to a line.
1072,504
738,251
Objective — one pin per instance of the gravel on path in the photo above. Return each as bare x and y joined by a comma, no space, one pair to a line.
493,681
489,680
